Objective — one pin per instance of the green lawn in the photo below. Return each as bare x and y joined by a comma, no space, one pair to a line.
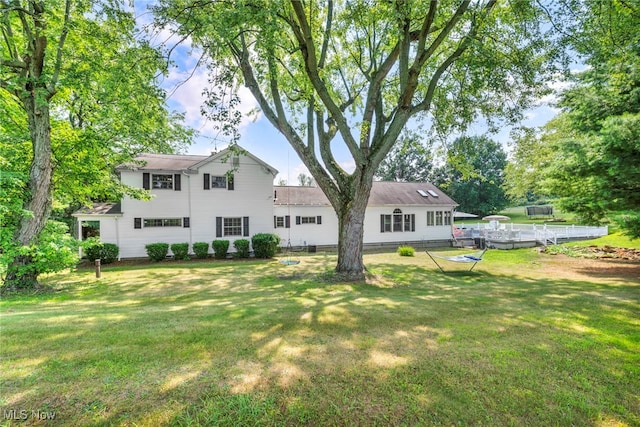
525,339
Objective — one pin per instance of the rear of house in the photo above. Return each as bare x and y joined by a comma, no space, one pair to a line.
397,213
230,195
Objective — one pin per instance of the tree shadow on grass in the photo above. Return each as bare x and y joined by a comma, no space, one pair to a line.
268,346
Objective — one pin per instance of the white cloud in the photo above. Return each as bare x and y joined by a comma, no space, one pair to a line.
186,85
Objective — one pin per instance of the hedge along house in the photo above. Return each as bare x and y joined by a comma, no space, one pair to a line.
230,195
413,213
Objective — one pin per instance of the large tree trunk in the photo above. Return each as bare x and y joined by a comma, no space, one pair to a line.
351,232
21,273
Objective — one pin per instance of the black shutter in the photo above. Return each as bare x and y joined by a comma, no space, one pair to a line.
319,220
230,182
218,226
176,182
297,220
413,222
287,221
275,222
137,222
186,222
207,182
245,226
382,223
145,181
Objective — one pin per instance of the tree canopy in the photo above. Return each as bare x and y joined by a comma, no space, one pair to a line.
473,175
78,94
588,156
410,160
356,72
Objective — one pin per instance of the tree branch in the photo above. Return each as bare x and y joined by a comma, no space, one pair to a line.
308,52
61,41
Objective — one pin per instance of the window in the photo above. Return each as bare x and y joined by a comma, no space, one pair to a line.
447,218
163,222
431,218
397,222
409,222
308,220
282,221
385,223
232,226
219,181
162,181
439,218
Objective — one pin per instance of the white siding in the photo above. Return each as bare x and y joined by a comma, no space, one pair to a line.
325,233
251,197
372,233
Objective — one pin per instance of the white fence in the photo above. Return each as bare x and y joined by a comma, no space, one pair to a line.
545,234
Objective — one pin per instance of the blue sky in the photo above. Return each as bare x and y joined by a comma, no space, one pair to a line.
186,83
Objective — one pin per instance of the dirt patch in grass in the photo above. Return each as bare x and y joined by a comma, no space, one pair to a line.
594,251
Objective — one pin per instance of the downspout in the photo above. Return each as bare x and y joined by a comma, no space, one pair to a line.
189,211
118,237
79,237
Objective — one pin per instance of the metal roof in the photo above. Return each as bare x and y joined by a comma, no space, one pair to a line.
100,209
176,162
186,162
383,193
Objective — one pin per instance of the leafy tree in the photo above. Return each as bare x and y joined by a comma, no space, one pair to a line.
305,180
408,161
356,72
78,95
589,155
474,174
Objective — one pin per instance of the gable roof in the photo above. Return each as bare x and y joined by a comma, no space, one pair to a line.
100,209
149,161
186,162
383,193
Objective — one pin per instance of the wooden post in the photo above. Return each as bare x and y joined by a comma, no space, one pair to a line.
98,268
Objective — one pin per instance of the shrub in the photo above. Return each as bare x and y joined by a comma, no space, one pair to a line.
157,251
110,253
95,249
265,245
242,248
406,251
55,250
201,249
220,248
180,250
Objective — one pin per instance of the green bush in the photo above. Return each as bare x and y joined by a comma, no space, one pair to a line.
55,250
180,250
242,248
157,251
265,245
220,248
406,251
95,249
201,249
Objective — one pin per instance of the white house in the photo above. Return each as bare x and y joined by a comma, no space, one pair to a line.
397,213
230,195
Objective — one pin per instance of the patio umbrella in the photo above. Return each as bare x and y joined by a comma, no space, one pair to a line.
464,215
496,218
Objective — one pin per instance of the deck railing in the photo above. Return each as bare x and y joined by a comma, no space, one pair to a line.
545,233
